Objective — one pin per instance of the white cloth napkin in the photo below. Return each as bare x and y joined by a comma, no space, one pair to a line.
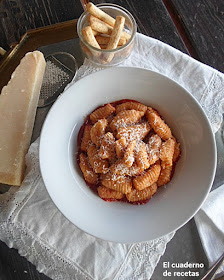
30,222
210,224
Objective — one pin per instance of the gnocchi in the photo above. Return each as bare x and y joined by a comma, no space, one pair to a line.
127,151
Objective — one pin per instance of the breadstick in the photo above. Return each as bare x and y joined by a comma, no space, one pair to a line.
125,35
89,37
115,36
86,50
104,40
95,11
107,19
116,33
104,47
95,33
99,26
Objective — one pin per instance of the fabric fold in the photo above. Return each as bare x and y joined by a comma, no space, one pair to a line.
210,224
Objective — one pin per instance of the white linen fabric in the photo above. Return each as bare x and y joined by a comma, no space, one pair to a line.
210,224
31,223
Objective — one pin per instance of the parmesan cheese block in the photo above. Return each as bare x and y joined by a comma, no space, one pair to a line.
18,104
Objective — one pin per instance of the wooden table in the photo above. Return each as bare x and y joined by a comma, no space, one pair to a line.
195,27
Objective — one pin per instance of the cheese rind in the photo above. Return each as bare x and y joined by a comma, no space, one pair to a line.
18,104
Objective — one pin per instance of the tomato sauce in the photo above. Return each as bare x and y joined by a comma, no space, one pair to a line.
79,139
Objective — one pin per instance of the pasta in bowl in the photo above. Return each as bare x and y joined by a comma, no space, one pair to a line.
126,151
174,203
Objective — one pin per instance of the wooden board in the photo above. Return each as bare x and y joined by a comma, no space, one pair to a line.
153,20
204,23
18,16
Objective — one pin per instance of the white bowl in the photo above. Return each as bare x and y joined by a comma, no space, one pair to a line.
171,207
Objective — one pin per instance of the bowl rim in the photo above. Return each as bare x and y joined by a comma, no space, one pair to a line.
129,42
211,179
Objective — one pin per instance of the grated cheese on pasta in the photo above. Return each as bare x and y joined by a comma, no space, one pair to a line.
131,150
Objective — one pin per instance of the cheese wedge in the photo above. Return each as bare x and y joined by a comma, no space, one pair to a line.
18,104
